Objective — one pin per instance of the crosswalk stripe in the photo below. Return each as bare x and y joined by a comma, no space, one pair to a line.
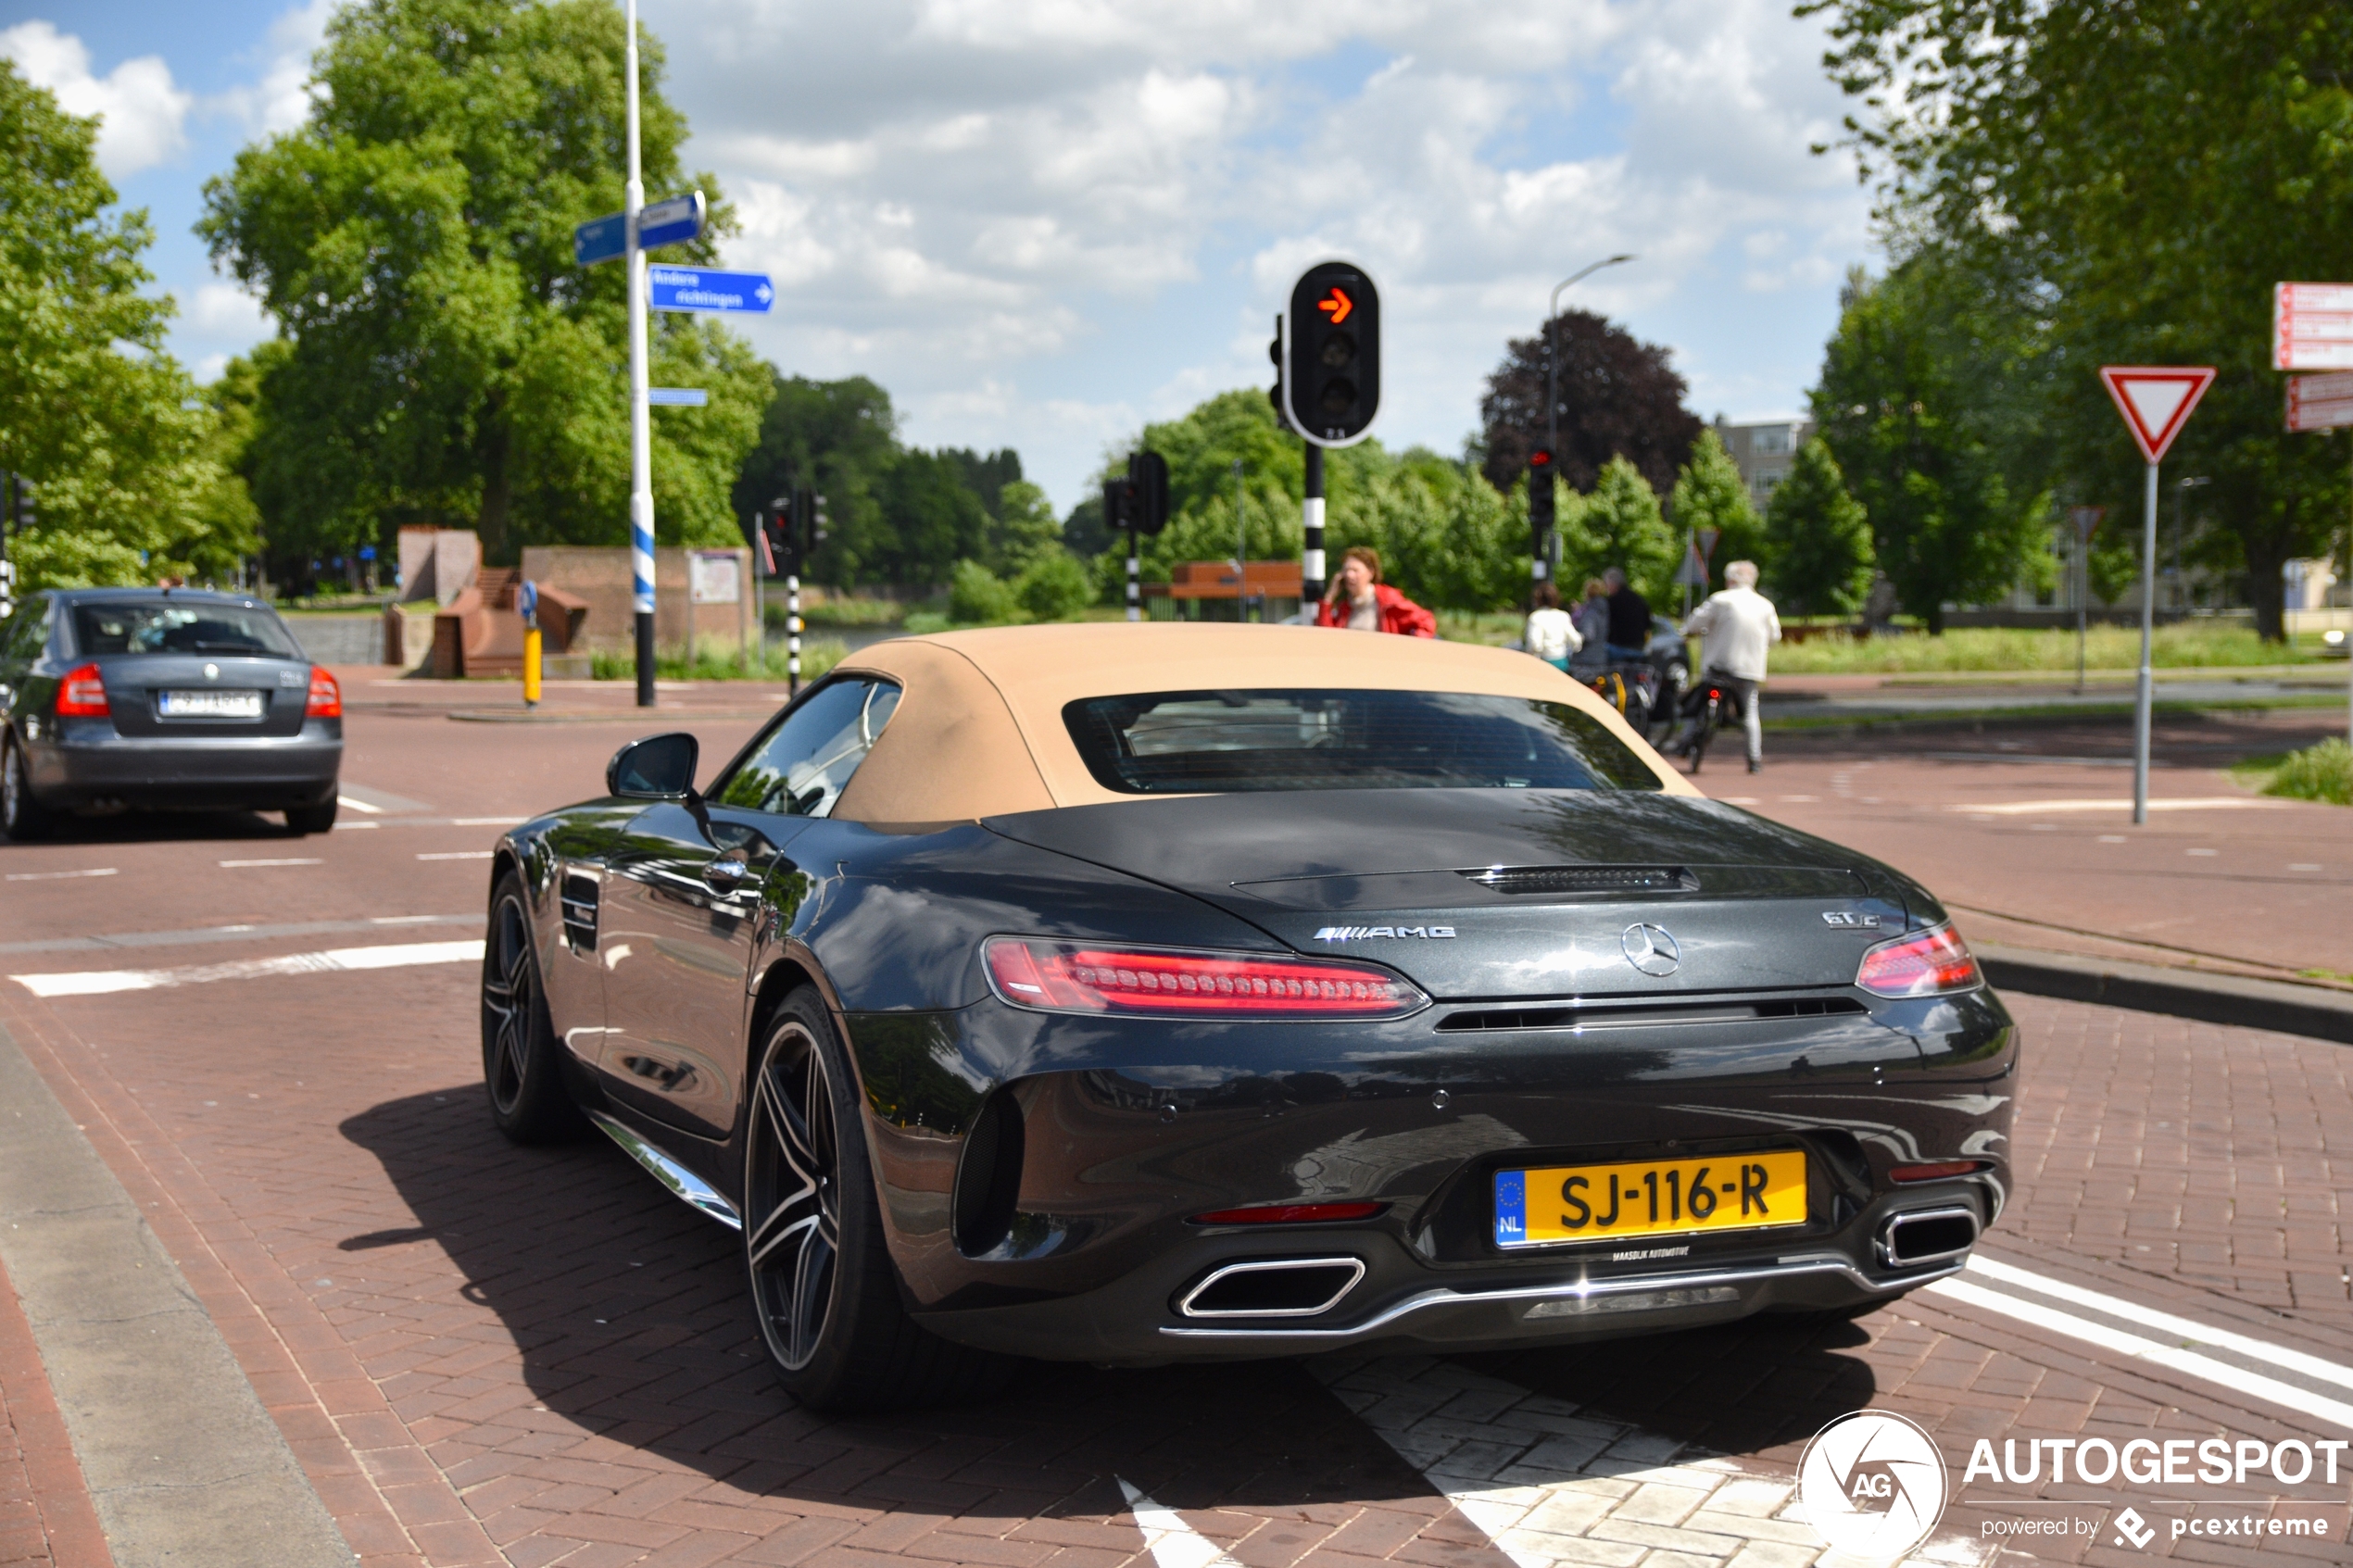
1173,1543
99,981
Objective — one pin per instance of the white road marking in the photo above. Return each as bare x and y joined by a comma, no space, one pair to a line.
290,860
2205,1368
1552,1483
2196,803
2279,1356
355,827
60,876
1172,1542
91,983
352,803
460,855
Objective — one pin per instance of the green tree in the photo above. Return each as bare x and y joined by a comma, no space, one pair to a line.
127,459
1709,492
1024,528
1923,402
1619,525
448,363
2143,173
1818,556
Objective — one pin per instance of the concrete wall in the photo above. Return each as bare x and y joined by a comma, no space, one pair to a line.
599,574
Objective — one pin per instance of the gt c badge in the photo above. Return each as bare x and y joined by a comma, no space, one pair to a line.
1849,920
1651,949
1363,933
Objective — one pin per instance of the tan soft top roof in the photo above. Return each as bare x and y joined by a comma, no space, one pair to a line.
980,729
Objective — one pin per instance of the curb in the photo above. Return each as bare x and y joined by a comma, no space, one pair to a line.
2211,999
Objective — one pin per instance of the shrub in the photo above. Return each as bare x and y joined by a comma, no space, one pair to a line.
978,597
1055,586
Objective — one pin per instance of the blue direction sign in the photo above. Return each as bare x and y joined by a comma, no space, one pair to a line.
659,224
678,396
699,288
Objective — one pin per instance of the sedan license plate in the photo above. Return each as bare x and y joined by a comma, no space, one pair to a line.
1649,1198
209,705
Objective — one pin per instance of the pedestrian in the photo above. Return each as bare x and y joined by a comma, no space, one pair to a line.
1736,625
1592,623
1359,601
1551,634
1629,619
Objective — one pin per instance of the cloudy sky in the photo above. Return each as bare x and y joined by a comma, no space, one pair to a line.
1042,222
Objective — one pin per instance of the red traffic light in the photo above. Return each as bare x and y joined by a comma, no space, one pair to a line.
1540,458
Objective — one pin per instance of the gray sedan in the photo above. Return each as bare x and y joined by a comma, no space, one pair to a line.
115,698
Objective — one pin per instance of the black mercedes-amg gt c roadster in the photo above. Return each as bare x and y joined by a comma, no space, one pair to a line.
1130,993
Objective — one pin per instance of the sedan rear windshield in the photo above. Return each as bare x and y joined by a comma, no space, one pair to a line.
161,626
1183,742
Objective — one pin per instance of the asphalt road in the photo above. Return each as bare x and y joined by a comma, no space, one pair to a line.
474,1353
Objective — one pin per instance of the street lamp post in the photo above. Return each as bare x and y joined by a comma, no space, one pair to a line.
1552,352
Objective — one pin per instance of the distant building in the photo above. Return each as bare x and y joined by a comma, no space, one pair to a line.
1763,452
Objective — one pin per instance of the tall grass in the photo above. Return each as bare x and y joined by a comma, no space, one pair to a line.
2318,773
2184,645
719,663
846,611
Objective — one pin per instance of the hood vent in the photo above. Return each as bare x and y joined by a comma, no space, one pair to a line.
1557,879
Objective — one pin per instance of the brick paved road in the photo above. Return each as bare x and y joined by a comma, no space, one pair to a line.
482,1354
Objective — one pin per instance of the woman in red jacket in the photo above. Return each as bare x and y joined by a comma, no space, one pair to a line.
1359,601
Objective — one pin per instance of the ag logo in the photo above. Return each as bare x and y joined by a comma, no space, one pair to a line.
1873,1484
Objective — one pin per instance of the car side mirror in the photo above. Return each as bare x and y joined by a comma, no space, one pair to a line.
655,768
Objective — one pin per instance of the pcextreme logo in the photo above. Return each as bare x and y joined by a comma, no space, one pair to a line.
1873,1484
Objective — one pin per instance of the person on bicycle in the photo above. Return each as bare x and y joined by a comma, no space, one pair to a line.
1360,601
1629,619
1550,635
1736,625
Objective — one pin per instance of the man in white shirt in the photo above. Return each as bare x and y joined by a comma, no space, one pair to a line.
1737,626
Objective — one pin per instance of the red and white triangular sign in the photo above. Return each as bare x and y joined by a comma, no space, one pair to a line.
2156,400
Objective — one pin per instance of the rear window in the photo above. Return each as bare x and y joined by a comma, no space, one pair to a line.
161,626
1179,742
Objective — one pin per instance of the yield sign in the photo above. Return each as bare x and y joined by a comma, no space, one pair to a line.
2156,400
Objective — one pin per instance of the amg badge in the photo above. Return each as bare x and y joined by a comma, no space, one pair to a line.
1363,932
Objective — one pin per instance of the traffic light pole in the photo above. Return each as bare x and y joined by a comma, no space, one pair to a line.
1135,577
792,624
1310,555
641,482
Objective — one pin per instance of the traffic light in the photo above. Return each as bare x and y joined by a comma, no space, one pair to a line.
1148,487
21,512
1541,497
1330,365
1275,392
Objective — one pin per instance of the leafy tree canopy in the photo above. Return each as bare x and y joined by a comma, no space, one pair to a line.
1709,492
2135,177
1618,396
1619,524
1817,558
127,460
413,238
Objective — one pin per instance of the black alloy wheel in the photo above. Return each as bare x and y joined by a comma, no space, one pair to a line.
21,817
824,1288
521,1066
793,1192
319,817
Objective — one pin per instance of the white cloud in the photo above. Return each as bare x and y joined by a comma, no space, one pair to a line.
142,114
226,310
280,99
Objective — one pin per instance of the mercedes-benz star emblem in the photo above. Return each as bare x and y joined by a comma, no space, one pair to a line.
1652,951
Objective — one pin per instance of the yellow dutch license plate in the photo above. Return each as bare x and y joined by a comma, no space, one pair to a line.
1649,1198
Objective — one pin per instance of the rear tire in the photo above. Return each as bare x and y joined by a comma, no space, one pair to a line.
302,820
22,817
521,1059
822,1285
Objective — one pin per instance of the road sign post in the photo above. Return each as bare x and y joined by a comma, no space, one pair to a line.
2156,401
2322,402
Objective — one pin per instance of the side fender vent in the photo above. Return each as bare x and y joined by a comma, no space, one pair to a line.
988,1177
579,900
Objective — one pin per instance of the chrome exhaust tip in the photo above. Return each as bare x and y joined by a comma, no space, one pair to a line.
1926,1236
1288,1287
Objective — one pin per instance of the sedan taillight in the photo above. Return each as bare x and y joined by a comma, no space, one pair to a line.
326,697
83,693
1921,965
1174,982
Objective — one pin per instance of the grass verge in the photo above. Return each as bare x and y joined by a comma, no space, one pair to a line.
817,656
2322,773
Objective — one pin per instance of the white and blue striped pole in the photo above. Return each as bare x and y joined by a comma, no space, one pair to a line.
641,466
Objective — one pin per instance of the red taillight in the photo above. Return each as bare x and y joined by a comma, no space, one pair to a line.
326,697
1940,1170
83,693
1918,966
1290,1214
1170,982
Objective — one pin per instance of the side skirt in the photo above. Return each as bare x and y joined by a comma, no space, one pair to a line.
683,1183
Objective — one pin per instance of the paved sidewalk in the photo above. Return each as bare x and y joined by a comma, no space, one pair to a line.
45,1517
